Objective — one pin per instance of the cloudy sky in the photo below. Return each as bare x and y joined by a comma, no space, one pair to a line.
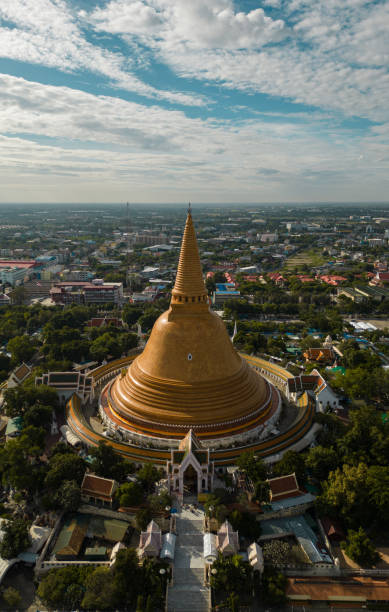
202,100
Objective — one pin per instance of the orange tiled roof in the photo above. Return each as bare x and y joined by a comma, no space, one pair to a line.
368,588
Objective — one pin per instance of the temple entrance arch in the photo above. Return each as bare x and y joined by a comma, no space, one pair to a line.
190,479
189,470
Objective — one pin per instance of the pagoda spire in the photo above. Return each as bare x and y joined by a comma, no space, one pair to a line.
189,285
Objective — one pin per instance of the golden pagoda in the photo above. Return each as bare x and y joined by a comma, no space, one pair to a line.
189,376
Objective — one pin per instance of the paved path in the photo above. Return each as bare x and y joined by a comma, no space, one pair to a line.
188,593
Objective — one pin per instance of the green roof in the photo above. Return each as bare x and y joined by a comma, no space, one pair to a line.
111,530
201,456
71,536
65,377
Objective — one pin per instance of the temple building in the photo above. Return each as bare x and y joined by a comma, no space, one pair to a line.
189,376
190,402
190,463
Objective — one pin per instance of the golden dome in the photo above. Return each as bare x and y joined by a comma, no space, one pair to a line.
189,374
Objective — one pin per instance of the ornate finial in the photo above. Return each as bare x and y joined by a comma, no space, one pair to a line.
189,208
189,286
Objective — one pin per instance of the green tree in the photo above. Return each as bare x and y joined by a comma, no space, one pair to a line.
130,494
273,586
68,496
64,587
148,475
38,416
262,492
159,501
21,399
359,495
291,462
252,465
143,518
131,313
148,318
12,598
21,349
127,564
359,548
106,463
64,467
233,575
100,591
15,538
104,346
320,461
16,467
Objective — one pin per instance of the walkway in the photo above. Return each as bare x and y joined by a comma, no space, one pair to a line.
188,593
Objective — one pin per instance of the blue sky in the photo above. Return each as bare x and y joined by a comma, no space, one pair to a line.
177,100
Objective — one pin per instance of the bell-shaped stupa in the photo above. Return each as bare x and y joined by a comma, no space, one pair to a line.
189,376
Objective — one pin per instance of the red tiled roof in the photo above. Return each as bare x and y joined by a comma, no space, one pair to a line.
96,486
16,263
284,486
383,276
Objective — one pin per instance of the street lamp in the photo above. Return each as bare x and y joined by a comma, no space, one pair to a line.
214,571
167,508
211,509
162,571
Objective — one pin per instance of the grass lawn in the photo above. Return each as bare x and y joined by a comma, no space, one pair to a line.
310,257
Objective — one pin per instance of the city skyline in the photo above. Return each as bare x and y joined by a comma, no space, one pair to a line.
162,101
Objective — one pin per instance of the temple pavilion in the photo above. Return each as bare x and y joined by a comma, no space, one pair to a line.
189,377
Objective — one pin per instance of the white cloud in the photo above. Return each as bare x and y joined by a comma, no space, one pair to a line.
332,55
199,23
45,32
104,148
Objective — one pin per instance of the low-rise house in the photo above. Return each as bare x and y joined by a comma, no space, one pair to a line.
277,279
98,490
68,383
333,279
315,385
320,354
381,279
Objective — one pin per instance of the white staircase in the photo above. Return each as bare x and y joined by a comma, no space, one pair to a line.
188,592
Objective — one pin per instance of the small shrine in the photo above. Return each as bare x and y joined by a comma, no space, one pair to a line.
150,541
227,540
190,470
